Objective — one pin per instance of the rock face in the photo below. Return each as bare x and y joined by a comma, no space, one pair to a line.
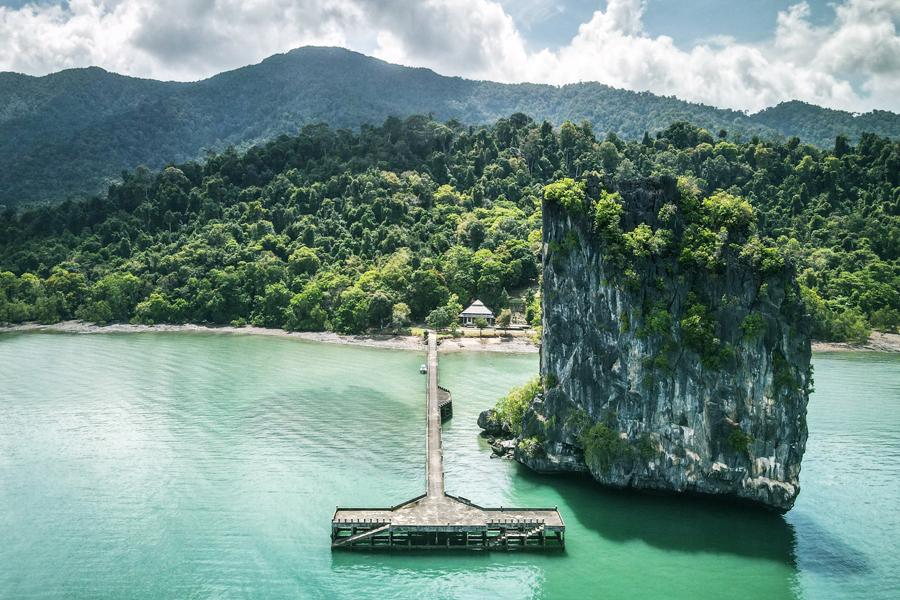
489,421
679,364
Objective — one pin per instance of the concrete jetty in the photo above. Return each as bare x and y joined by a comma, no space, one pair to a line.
436,519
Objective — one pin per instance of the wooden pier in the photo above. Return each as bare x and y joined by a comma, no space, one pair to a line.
436,520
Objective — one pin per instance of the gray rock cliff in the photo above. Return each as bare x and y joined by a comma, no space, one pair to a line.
676,350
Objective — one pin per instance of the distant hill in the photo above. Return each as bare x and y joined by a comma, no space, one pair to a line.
70,133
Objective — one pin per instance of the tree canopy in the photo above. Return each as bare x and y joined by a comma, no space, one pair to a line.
70,134
340,230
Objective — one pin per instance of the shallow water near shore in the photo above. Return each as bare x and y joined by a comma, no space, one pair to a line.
190,465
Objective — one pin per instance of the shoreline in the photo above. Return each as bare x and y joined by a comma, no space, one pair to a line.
878,342
509,345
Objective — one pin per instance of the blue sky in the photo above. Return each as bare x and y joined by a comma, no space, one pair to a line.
746,55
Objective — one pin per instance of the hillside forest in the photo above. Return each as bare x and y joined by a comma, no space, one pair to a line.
363,230
70,134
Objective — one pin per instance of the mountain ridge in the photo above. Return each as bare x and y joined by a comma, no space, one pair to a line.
71,133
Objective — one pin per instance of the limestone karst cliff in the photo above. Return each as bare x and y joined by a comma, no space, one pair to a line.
676,348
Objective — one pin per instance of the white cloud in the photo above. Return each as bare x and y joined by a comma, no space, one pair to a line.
474,38
613,48
191,39
166,39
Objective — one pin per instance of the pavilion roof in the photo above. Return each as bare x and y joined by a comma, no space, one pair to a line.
477,309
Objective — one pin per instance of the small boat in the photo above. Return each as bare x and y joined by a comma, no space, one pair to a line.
423,368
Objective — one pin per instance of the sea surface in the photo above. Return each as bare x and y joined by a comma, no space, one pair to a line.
186,465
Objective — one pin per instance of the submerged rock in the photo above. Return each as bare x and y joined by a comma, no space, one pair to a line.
676,351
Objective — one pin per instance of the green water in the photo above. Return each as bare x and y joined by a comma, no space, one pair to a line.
208,466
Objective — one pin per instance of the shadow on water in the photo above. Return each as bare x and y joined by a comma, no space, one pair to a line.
687,524
822,553
697,524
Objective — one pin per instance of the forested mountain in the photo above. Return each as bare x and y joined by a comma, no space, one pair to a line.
350,231
71,133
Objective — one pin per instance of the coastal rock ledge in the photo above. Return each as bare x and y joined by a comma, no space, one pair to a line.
676,348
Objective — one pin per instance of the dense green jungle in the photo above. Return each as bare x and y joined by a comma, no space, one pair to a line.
70,134
350,231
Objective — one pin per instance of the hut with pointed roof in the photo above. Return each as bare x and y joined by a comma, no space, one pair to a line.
475,311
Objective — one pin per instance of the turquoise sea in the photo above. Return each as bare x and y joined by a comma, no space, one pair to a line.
187,465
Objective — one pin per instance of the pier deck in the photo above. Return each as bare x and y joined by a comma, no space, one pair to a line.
437,520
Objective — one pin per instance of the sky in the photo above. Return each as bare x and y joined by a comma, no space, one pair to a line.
741,54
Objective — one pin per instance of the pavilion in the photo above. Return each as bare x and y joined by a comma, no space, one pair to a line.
475,311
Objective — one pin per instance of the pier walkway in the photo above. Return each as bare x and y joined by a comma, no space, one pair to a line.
437,520
434,467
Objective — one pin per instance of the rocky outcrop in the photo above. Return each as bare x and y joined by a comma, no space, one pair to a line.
489,421
676,351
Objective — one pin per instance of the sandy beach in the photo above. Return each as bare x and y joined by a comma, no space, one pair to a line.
878,342
509,344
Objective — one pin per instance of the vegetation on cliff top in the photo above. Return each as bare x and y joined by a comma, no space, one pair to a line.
339,230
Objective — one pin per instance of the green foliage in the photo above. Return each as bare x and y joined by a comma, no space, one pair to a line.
657,322
608,213
578,419
753,326
698,329
155,309
550,381
782,376
602,445
886,319
328,230
504,319
304,261
833,323
646,447
632,280
740,441
703,247
639,241
610,418
732,213
718,220
512,407
569,194
454,308
569,243
531,447
533,313
765,258
131,122
304,233
439,318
